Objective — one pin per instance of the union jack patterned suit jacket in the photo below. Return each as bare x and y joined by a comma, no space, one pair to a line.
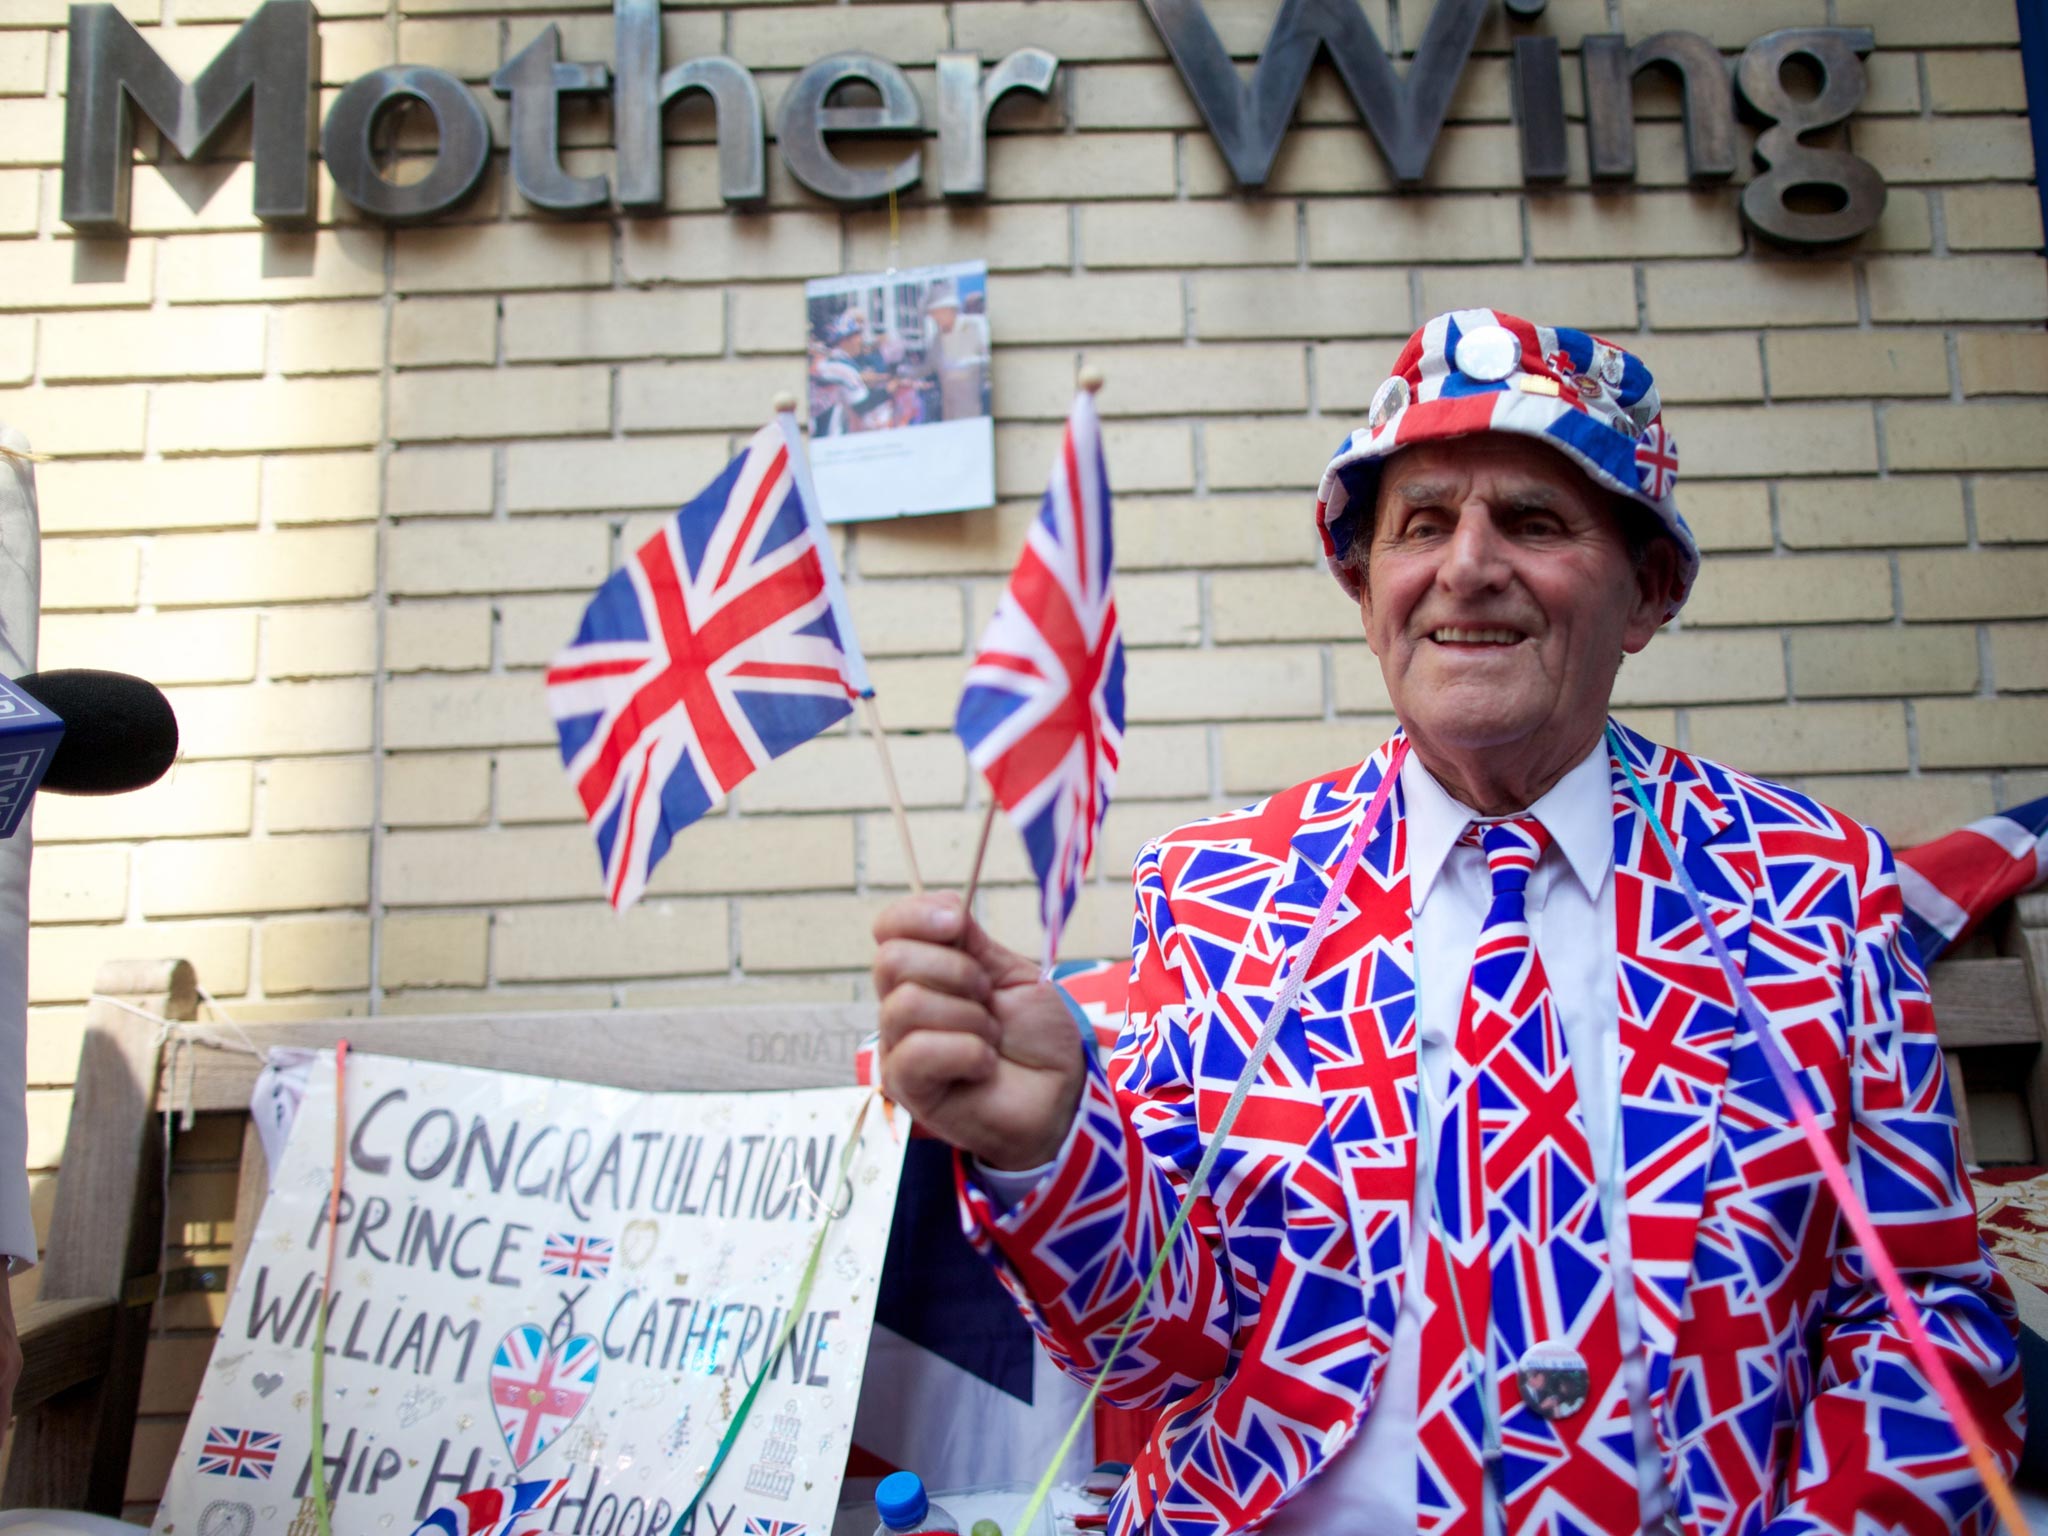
1782,1390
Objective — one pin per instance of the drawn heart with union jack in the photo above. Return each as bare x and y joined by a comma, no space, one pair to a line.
537,1391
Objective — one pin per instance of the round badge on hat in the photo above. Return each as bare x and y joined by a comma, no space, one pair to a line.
1612,366
1553,1379
1387,401
1488,353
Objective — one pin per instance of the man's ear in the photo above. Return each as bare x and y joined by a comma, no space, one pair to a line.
1364,601
1659,591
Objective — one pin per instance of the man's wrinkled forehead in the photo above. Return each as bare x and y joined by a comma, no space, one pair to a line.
1432,490
1433,473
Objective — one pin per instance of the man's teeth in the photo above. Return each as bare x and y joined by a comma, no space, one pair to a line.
1475,636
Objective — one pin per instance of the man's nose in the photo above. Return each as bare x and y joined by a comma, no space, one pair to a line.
1476,559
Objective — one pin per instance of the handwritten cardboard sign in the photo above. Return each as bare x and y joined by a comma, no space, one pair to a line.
537,1280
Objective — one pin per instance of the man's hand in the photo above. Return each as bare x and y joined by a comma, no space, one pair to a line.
974,1045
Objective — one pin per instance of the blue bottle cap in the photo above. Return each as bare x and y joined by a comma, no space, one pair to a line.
900,1500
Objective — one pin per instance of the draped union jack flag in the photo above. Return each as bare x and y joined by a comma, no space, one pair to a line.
494,1511
1954,882
713,649
1042,712
576,1255
240,1453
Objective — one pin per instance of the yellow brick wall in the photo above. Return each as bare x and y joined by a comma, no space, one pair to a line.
343,492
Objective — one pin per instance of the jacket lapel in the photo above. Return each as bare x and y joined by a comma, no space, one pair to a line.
1358,1025
1678,1025
1320,1174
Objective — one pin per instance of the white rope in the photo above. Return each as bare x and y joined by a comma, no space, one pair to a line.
190,1030
177,1037
220,1012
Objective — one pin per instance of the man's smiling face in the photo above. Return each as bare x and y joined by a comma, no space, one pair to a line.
1500,595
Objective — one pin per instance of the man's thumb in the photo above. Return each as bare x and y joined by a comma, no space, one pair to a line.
1003,965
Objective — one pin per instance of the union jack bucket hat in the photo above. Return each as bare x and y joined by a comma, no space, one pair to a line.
1478,370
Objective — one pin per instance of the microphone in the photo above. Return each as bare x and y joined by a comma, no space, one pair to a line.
119,731
80,732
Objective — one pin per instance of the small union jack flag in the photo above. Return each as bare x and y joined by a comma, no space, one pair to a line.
1042,712
1656,461
240,1453
762,1525
723,642
578,1256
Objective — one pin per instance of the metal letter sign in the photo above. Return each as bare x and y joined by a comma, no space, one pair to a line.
1248,121
965,101
1537,77
536,79
806,119
1833,50
640,97
1808,195
274,56
459,160
1610,66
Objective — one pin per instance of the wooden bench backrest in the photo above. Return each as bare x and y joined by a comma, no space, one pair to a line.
1991,1005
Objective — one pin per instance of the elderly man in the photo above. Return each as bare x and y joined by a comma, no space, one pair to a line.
1515,1230
955,353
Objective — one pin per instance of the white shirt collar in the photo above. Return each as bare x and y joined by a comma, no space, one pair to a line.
1577,811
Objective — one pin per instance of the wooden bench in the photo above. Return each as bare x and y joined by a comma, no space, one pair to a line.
92,1358
1991,1001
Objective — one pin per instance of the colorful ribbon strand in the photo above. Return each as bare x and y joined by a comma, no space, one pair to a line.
321,1504
1907,1310
797,1304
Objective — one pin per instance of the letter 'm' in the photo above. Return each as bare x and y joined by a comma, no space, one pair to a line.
274,58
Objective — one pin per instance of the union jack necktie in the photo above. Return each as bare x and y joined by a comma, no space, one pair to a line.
1519,1273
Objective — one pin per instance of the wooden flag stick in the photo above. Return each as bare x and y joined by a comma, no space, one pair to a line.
873,717
857,680
980,853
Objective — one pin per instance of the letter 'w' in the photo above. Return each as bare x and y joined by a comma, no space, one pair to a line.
1248,120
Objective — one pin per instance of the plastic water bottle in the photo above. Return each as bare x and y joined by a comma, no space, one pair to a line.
904,1506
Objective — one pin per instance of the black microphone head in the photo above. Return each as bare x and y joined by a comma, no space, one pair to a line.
119,731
